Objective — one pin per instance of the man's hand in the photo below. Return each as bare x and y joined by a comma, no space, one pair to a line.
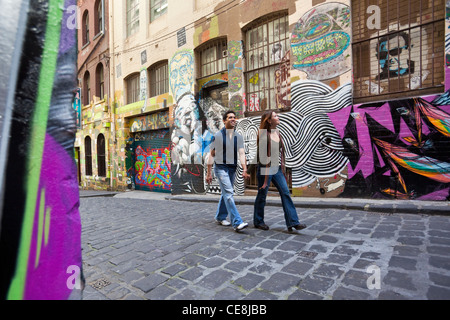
245,175
208,178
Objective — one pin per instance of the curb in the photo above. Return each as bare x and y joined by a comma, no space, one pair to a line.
440,208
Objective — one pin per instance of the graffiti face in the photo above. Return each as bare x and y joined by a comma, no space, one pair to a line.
186,117
181,74
392,53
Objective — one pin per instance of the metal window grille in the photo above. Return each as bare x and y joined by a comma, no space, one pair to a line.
266,43
133,88
213,57
159,79
398,48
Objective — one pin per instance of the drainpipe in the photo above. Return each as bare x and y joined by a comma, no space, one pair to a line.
112,87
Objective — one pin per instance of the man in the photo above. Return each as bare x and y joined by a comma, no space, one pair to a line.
226,146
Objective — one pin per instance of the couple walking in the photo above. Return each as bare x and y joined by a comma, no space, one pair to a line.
226,147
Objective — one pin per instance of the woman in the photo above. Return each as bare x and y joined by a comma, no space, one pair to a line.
271,148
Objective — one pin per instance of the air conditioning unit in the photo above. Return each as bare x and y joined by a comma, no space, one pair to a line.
224,53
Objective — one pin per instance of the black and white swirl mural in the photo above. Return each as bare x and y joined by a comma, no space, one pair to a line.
314,148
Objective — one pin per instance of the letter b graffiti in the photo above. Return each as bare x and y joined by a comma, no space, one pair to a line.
74,281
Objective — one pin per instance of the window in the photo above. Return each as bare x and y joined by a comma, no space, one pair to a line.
266,42
99,27
398,50
88,155
133,88
101,157
100,84
213,57
87,88
157,9
85,28
132,17
159,79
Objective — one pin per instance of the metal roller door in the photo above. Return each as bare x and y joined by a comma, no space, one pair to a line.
151,161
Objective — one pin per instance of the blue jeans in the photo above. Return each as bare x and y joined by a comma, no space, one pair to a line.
278,179
225,175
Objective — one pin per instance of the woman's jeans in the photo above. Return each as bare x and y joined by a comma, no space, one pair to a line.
278,179
225,175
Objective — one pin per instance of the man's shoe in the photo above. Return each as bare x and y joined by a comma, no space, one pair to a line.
262,226
243,225
223,222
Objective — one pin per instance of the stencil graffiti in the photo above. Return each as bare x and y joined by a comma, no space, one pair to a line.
392,54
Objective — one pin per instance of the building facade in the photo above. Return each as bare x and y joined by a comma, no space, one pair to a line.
361,88
94,143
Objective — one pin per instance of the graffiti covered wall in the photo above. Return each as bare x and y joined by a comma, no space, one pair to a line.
41,228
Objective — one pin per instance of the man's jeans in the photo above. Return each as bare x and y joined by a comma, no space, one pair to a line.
278,179
225,175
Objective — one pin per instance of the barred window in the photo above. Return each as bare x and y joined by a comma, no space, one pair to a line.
159,79
213,57
133,88
266,43
398,48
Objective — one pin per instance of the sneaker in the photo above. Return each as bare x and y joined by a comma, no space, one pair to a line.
223,222
243,225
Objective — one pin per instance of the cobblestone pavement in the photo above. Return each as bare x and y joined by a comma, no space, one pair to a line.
137,249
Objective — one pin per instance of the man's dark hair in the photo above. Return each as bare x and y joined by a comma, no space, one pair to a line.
225,115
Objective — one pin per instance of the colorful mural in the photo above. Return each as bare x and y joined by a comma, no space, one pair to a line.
236,78
320,41
397,149
186,155
152,169
41,228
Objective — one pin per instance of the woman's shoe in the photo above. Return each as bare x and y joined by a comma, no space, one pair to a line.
262,226
300,226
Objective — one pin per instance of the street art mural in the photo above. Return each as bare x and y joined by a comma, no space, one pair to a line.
150,122
187,168
213,109
152,169
397,149
40,223
235,78
282,83
320,41
313,146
